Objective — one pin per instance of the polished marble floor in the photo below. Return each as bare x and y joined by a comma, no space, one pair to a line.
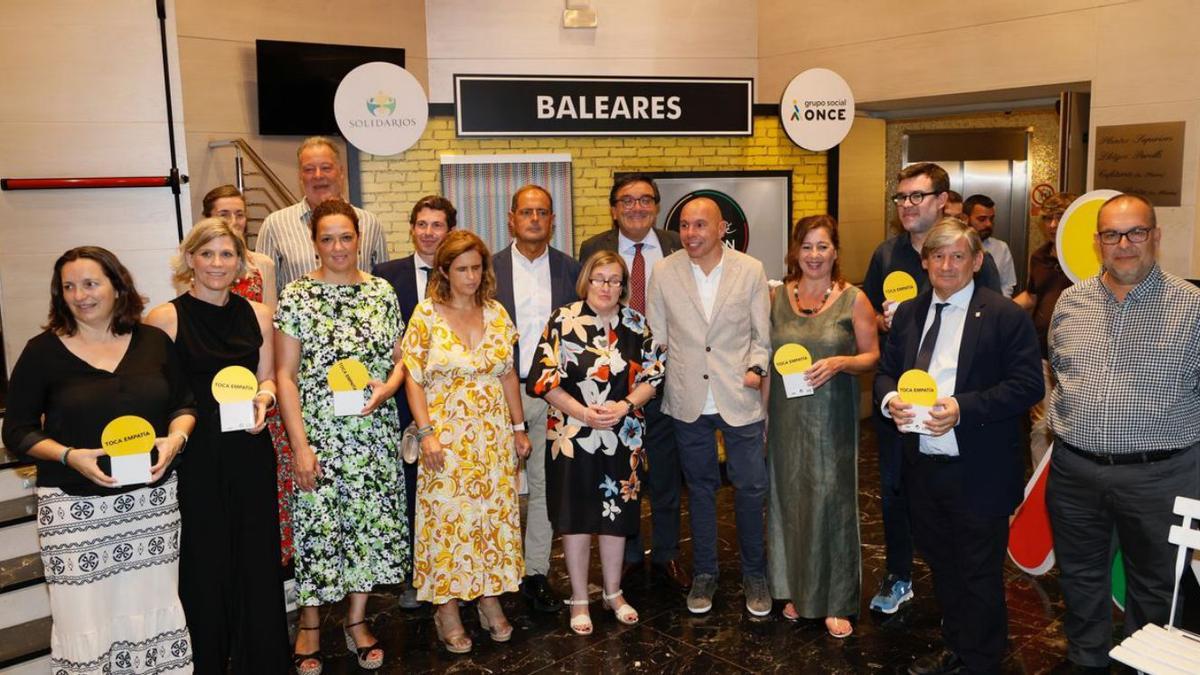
728,640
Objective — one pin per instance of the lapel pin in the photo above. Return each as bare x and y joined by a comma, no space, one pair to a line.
978,314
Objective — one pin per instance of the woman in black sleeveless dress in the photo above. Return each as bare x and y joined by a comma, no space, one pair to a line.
230,583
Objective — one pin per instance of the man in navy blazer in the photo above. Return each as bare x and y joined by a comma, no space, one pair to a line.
533,279
431,219
964,477
634,201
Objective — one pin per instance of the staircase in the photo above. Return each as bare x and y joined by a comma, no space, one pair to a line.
24,599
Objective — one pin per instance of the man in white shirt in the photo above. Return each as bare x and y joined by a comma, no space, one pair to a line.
980,213
532,279
633,201
964,477
286,237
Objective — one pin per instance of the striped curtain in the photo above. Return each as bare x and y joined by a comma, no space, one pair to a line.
481,188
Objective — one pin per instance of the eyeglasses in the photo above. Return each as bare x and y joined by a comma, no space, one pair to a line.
1135,236
915,197
628,202
529,213
597,282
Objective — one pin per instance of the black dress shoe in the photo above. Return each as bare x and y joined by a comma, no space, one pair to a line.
674,574
541,597
942,662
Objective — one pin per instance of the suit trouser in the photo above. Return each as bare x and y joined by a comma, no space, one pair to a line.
409,475
538,533
663,481
897,530
746,466
965,551
1087,502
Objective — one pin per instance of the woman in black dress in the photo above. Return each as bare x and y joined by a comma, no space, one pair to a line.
110,553
597,365
230,581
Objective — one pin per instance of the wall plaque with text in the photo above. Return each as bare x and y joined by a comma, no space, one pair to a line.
1145,159
558,105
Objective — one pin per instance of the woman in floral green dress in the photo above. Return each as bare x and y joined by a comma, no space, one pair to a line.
349,523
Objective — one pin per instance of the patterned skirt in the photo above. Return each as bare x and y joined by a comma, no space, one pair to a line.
112,566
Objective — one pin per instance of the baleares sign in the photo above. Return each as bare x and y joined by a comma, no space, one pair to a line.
520,105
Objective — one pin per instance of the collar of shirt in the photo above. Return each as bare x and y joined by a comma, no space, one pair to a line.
698,271
1153,283
626,245
520,258
961,299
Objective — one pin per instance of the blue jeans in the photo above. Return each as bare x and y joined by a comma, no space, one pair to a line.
746,465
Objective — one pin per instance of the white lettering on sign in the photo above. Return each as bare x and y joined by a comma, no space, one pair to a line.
609,107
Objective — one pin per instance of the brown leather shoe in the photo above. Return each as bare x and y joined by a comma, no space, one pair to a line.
674,574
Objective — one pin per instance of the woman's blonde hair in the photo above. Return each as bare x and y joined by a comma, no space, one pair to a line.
455,244
203,232
599,258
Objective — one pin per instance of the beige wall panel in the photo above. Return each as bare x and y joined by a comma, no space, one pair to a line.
34,149
46,221
1157,61
861,185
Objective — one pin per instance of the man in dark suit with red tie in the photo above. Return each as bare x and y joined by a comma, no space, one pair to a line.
634,201
964,478
432,218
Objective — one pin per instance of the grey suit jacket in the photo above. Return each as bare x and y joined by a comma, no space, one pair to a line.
716,353
607,241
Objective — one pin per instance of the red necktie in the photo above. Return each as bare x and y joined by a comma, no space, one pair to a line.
637,280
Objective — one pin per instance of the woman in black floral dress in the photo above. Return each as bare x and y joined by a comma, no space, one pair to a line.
597,365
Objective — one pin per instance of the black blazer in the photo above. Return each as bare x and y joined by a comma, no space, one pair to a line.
607,241
564,272
401,274
999,378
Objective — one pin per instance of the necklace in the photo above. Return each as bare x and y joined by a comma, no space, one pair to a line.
809,312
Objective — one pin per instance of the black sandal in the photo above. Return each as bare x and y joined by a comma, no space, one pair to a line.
363,652
299,659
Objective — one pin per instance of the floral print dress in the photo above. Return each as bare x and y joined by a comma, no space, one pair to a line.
593,476
350,531
251,288
468,540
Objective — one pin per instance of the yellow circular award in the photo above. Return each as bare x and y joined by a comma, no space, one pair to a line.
917,387
899,286
127,435
233,384
348,375
1076,239
791,359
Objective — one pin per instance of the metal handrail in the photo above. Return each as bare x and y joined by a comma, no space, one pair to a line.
276,192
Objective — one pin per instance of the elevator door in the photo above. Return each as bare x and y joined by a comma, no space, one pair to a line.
1007,183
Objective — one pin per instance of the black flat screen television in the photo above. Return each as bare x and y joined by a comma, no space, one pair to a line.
297,81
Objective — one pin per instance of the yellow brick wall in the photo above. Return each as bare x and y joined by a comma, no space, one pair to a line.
390,185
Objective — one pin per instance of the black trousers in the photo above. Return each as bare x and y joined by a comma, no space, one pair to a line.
663,481
897,526
230,579
1088,503
965,550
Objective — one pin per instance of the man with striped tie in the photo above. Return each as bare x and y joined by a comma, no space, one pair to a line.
634,202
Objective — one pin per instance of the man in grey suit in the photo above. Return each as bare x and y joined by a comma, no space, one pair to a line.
634,202
532,279
710,306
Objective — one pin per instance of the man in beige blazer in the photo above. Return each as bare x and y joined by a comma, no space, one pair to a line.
710,305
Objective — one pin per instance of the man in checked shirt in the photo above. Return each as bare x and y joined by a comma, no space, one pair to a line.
1125,347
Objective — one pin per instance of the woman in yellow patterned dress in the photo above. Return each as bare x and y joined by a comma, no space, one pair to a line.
465,399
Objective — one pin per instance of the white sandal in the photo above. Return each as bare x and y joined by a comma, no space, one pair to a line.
626,614
581,624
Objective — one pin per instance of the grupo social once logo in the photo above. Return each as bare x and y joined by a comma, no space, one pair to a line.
380,108
817,109
737,230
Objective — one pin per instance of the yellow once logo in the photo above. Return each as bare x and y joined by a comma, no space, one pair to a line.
899,286
791,359
127,435
917,387
348,375
233,384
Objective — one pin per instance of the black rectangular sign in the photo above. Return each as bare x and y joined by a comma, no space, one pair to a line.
559,105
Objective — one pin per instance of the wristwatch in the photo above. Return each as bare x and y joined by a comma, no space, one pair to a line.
757,370
630,406
519,426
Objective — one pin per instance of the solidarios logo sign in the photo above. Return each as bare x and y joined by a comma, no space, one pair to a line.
381,109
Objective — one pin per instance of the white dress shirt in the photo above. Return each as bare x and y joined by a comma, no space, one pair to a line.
1004,262
531,296
706,286
943,365
651,252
